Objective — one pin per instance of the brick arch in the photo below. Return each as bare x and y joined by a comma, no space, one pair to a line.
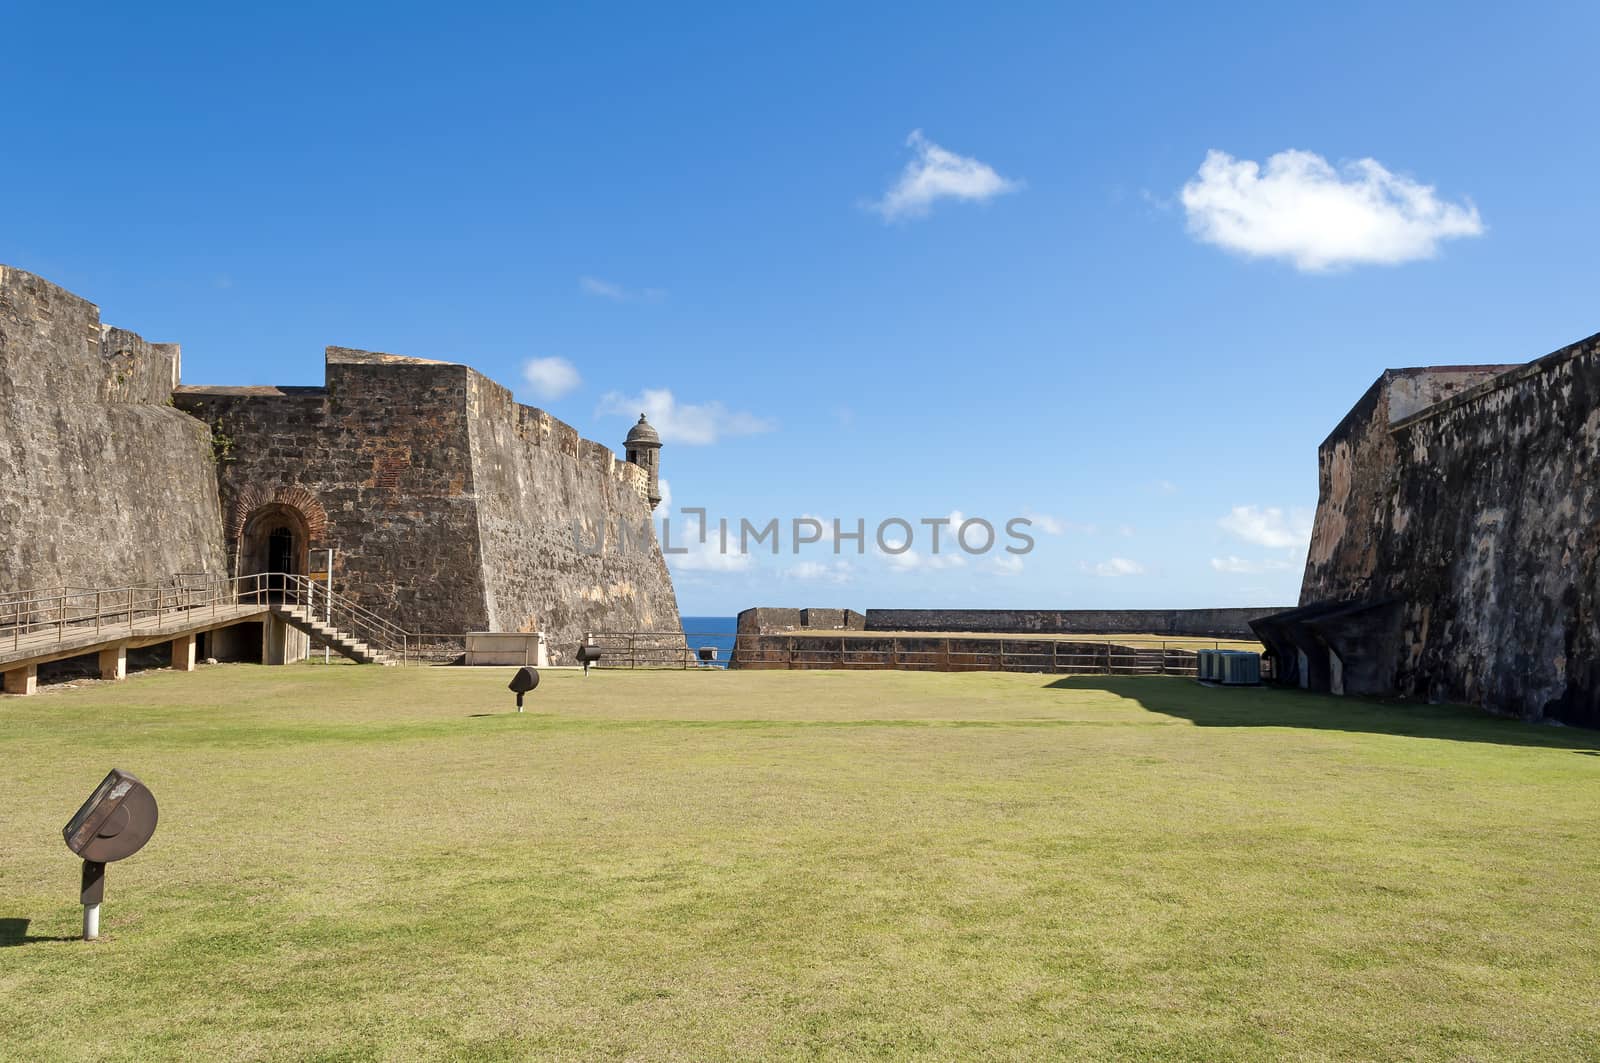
253,497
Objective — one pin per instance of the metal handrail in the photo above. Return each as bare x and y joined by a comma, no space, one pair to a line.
28,612
336,609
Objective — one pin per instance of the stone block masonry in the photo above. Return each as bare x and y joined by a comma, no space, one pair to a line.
1199,623
102,482
448,506
1456,550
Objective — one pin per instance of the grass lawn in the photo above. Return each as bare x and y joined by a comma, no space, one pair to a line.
366,863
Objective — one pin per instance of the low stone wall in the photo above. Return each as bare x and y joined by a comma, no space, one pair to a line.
1203,623
956,654
766,620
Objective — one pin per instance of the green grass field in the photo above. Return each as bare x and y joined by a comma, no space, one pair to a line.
364,863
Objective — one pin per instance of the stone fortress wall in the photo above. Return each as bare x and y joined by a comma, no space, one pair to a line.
1204,623
448,505
102,482
767,620
1229,623
1455,549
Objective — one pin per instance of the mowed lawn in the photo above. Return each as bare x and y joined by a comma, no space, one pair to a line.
363,863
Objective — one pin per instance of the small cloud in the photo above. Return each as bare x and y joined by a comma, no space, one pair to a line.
818,571
1116,566
1300,208
1004,565
1241,565
1058,525
666,494
222,280
935,174
677,422
1047,524
550,378
913,561
617,293
1269,526
1166,487
705,556
1127,531
1155,202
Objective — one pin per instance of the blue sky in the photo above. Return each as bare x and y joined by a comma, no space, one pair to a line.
702,204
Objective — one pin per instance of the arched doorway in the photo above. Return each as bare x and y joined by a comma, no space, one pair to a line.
275,540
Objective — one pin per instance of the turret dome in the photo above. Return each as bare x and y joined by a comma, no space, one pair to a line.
643,433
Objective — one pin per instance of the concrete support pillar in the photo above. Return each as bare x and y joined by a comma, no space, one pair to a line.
24,680
282,643
183,653
114,662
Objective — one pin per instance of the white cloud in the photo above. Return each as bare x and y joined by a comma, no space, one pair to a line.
1243,565
666,494
705,556
1048,524
1116,566
818,571
913,561
617,293
1166,487
936,174
1051,525
1270,526
550,378
1302,209
695,425
1004,565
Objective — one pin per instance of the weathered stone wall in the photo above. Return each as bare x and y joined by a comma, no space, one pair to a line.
1478,517
448,505
1357,465
534,479
765,620
958,653
380,463
102,482
1208,623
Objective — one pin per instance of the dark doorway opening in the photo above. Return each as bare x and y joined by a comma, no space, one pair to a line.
273,546
280,560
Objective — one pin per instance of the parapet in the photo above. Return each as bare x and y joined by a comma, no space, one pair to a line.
65,356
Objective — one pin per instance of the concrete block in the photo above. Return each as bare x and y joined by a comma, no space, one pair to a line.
24,680
183,653
114,662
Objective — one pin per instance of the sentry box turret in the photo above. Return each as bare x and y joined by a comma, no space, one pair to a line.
526,679
116,821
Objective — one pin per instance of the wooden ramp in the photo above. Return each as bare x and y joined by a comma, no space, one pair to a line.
37,629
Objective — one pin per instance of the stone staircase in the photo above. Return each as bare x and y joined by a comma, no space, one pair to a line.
341,642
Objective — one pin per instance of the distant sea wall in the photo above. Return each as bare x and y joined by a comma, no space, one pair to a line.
1199,623
770,621
1206,623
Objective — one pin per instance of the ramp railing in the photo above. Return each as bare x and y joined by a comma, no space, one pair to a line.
69,612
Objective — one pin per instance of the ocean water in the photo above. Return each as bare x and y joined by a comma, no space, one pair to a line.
711,631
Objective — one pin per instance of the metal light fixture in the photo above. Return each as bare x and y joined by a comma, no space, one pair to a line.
116,821
588,654
525,680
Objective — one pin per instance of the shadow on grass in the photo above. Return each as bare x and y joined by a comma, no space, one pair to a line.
15,932
1209,706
